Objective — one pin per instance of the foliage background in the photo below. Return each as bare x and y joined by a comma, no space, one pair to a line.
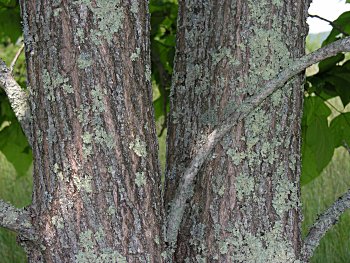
325,126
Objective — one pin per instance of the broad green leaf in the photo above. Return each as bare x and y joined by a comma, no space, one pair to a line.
10,24
314,107
341,83
158,108
8,3
340,128
318,144
6,112
14,146
343,22
309,169
329,63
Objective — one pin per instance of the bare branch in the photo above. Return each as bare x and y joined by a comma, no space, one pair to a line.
13,63
184,191
17,220
17,96
329,218
335,26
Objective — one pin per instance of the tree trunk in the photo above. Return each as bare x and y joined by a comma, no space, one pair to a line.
97,194
245,202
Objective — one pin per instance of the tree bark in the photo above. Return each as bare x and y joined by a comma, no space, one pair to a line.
97,194
244,204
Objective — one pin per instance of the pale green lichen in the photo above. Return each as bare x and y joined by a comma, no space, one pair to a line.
68,88
58,172
244,185
148,72
285,196
210,117
222,190
54,80
134,7
57,11
140,179
135,55
236,157
224,54
108,15
58,222
87,138
156,240
10,217
87,241
84,61
270,247
98,104
139,147
111,210
80,34
103,138
83,183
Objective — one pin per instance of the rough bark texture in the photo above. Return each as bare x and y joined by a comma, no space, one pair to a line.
96,174
245,201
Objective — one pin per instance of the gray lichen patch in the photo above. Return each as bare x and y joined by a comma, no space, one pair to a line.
286,196
135,55
108,15
87,251
140,179
224,54
52,81
236,156
83,183
139,147
270,246
98,94
244,185
84,61
134,7
58,222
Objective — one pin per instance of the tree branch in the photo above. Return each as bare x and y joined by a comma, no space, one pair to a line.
17,220
185,188
13,63
335,26
18,98
329,218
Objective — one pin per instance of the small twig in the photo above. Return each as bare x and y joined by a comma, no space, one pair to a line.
184,190
18,98
17,220
13,63
331,23
329,218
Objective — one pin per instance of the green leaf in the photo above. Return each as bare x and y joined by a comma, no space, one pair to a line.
340,128
8,3
329,63
10,24
158,108
317,139
341,84
314,107
309,169
343,22
14,145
